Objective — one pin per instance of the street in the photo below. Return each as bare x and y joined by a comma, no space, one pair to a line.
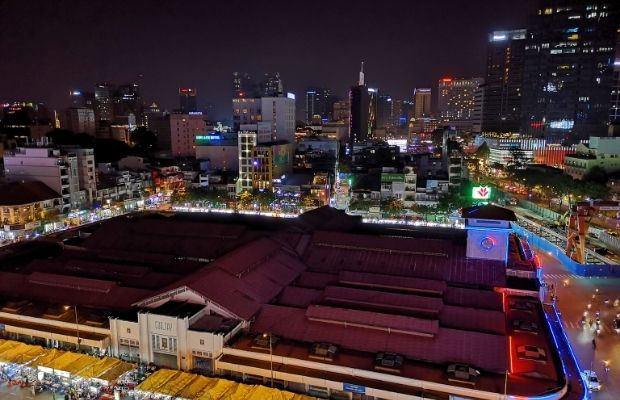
574,294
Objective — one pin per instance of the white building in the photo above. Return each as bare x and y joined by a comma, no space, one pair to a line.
183,131
246,142
280,112
56,169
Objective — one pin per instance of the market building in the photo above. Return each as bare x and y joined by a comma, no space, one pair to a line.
323,305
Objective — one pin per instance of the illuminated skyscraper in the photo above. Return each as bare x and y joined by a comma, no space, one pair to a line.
318,102
568,72
501,111
103,102
187,100
359,99
455,100
422,102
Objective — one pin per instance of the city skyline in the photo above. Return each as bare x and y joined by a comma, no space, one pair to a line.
164,47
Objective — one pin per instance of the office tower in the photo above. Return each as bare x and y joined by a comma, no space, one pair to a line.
614,110
81,120
187,100
318,102
385,118
243,85
280,111
183,131
501,111
455,100
359,101
476,126
271,85
422,102
568,71
103,102
402,111
149,114
80,98
127,101
341,111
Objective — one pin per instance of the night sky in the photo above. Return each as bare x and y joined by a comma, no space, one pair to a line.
50,47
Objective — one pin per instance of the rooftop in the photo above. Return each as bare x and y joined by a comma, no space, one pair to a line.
16,194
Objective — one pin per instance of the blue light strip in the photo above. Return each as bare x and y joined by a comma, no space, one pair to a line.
570,349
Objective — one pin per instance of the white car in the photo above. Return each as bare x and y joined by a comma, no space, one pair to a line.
591,380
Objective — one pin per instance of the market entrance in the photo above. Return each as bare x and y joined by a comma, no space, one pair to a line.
165,360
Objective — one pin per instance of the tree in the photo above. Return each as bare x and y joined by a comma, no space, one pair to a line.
246,200
143,140
265,199
394,207
483,152
596,174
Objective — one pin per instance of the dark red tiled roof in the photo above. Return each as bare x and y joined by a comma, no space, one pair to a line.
316,280
295,296
484,351
390,282
394,301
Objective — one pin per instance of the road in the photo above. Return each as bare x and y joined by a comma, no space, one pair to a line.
574,294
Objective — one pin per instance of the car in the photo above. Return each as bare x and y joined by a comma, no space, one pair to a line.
525,326
462,372
521,305
591,380
532,353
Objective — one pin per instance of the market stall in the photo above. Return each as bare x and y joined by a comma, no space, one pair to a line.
168,383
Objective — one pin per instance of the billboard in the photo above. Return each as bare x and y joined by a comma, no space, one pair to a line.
281,154
481,193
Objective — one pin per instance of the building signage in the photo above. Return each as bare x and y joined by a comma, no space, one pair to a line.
349,387
163,326
392,177
481,193
208,137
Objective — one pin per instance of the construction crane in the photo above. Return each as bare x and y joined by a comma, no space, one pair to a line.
577,229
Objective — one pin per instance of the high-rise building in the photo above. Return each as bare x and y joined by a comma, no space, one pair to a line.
271,85
359,100
187,100
501,111
80,98
455,100
614,110
150,113
81,120
183,131
127,101
243,85
402,111
318,102
341,111
103,102
568,71
280,111
422,102
385,110
246,142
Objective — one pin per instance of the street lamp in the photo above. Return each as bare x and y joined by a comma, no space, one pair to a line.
77,326
265,336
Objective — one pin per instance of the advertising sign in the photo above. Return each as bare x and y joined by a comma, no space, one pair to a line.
481,193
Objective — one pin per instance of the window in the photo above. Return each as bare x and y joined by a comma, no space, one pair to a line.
202,342
128,330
